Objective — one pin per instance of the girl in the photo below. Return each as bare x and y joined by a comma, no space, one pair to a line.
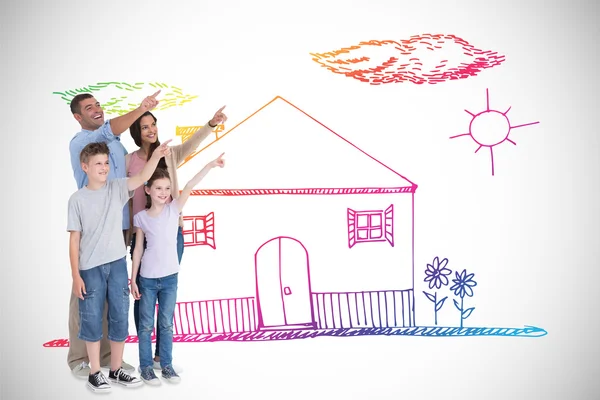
145,135
158,276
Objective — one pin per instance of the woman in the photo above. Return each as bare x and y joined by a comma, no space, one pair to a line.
144,132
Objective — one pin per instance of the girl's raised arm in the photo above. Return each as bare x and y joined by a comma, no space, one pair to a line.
185,193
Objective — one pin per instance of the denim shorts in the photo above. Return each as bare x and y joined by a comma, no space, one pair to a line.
107,282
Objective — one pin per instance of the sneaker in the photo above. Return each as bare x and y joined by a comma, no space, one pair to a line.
176,368
170,375
98,383
81,371
122,377
150,377
124,366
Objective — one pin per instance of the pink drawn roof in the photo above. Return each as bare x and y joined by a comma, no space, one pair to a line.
282,149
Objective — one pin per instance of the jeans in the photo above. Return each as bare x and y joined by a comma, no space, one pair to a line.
136,303
102,283
165,291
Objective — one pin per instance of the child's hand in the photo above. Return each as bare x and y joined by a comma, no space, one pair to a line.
135,292
217,162
79,287
162,150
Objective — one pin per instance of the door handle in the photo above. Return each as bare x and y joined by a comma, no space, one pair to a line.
287,291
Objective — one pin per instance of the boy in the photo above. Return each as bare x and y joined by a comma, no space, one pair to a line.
97,255
88,112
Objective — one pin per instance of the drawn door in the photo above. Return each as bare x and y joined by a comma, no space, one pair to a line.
283,285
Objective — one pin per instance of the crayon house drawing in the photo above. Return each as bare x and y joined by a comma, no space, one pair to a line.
301,235
320,231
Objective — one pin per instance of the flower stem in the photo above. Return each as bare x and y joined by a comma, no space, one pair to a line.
462,299
435,306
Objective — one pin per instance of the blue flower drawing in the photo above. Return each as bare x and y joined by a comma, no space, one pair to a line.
437,276
437,273
463,286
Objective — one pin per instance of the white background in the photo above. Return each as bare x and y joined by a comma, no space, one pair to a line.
530,233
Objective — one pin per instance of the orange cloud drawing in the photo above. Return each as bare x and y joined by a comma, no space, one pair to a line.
427,58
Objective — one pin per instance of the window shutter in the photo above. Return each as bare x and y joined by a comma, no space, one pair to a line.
351,228
210,230
389,224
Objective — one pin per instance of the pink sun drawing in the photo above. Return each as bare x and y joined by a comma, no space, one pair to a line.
489,128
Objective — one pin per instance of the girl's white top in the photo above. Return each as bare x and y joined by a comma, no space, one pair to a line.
160,257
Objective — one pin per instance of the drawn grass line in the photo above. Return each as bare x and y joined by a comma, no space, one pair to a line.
172,97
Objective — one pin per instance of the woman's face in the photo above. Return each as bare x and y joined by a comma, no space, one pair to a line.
148,129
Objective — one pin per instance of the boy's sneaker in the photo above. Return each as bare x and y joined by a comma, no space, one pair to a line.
150,377
124,366
98,383
176,368
123,378
81,371
170,375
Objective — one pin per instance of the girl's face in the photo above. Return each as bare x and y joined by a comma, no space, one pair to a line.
148,129
160,191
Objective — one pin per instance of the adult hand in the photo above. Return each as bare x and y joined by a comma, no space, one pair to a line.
219,117
149,102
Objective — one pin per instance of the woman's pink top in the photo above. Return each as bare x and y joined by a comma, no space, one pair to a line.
136,164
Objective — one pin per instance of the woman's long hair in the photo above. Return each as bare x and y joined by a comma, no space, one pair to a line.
135,130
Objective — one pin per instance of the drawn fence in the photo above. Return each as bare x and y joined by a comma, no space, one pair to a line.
372,309
214,316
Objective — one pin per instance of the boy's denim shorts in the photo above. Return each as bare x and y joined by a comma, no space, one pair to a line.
107,282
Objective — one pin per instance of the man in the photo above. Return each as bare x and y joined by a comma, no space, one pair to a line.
88,112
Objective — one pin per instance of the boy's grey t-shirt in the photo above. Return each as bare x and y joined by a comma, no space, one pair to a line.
98,215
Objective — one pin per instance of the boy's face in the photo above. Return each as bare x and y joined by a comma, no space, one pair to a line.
97,168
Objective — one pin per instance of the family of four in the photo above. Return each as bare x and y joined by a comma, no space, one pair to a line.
125,199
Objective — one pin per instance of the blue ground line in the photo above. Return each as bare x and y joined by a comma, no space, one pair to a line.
528,331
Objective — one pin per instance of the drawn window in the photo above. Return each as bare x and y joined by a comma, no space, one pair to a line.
199,230
371,226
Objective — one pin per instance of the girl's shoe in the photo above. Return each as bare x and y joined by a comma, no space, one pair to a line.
176,368
150,377
170,375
